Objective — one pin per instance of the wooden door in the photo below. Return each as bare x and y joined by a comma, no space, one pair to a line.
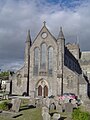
40,90
45,91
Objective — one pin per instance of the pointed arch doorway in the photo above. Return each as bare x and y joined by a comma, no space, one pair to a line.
42,88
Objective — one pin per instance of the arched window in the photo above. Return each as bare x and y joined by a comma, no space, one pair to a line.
36,61
43,56
50,60
19,76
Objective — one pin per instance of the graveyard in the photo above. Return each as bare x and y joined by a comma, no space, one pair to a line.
24,112
26,108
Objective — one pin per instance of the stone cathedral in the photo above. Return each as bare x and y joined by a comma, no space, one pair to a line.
51,67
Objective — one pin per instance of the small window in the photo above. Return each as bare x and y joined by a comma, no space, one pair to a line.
19,76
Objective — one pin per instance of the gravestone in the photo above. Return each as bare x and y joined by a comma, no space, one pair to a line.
56,98
52,100
46,116
52,107
45,110
59,108
45,113
66,100
32,102
68,107
15,104
39,102
56,104
44,101
47,102
74,102
60,102
56,116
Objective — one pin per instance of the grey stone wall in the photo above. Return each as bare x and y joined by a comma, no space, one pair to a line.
53,82
19,90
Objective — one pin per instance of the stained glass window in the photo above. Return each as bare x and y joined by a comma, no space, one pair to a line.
43,56
19,76
36,61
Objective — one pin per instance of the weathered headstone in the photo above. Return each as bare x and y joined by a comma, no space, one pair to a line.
47,102
39,102
74,102
60,102
56,103
44,101
52,101
59,108
66,100
56,116
45,110
45,113
56,98
52,107
68,107
32,102
16,105
46,116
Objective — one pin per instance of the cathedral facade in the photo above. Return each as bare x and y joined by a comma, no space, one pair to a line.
50,67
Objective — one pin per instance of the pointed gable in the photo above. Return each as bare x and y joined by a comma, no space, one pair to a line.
44,36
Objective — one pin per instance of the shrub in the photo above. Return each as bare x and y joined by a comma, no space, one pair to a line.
80,115
4,106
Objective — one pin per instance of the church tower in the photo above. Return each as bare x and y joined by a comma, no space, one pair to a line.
61,47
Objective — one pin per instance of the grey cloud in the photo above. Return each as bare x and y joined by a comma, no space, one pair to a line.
17,16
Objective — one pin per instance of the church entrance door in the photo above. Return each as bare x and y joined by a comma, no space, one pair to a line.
45,91
40,90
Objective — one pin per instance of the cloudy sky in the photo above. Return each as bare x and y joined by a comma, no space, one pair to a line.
17,16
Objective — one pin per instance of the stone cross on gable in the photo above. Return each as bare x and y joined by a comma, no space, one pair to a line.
44,23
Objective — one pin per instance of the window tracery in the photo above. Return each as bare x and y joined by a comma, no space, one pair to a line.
50,60
19,76
36,61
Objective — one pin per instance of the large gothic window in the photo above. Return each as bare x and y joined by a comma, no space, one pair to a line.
36,61
43,56
50,60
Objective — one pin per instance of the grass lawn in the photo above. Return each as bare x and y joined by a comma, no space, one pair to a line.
26,113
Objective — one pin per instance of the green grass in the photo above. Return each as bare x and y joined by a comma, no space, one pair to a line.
80,115
26,113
